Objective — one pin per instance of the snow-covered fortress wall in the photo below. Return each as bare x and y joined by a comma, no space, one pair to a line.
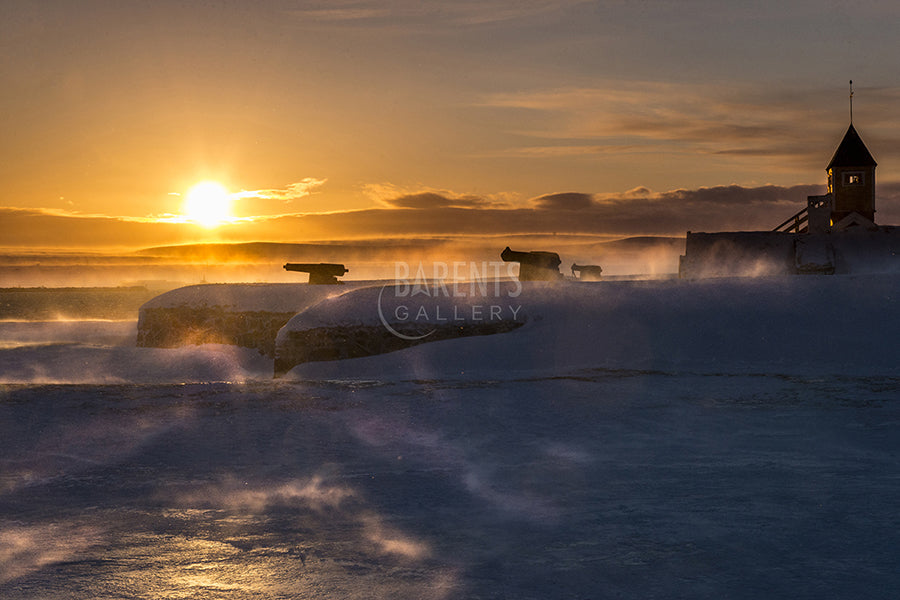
869,252
381,319
779,324
246,315
769,322
755,253
737,253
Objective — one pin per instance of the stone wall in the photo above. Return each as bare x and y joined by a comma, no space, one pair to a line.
170,327
241,314
763,253
737,254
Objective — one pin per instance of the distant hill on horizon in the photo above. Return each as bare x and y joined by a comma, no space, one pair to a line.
170,266
379,250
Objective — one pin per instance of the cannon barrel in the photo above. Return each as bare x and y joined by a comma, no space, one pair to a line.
587,272
534,266
546,260
319,273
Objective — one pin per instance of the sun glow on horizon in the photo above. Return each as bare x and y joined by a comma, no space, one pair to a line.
208,204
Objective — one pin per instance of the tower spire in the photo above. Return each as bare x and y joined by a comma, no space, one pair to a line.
851,102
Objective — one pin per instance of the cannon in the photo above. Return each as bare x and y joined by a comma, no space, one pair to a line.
534,266
587,272
319,273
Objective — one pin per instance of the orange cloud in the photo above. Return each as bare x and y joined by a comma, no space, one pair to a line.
739,122
274,200
565,201
639,211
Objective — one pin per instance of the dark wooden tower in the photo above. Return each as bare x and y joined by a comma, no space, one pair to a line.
851,179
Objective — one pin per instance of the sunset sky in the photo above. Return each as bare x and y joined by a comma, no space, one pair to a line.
343,119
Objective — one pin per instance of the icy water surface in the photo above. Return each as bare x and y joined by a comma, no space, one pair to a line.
591,484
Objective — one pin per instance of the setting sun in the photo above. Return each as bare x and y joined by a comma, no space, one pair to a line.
208,203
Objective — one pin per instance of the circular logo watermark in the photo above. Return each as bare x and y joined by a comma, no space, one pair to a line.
464,295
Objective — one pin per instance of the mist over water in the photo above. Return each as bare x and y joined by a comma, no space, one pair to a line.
98,352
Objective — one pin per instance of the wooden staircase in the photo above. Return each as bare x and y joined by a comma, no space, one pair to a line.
796,223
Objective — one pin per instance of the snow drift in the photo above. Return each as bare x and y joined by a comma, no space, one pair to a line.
376,320
779,324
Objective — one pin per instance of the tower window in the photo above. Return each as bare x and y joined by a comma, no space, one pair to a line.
853,178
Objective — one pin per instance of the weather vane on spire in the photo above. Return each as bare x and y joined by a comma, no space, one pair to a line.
851,102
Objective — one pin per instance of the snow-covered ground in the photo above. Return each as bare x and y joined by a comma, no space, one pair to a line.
715,439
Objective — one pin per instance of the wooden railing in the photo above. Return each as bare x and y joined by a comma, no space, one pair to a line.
797,223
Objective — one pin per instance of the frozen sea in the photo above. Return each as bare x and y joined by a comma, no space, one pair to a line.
189,473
